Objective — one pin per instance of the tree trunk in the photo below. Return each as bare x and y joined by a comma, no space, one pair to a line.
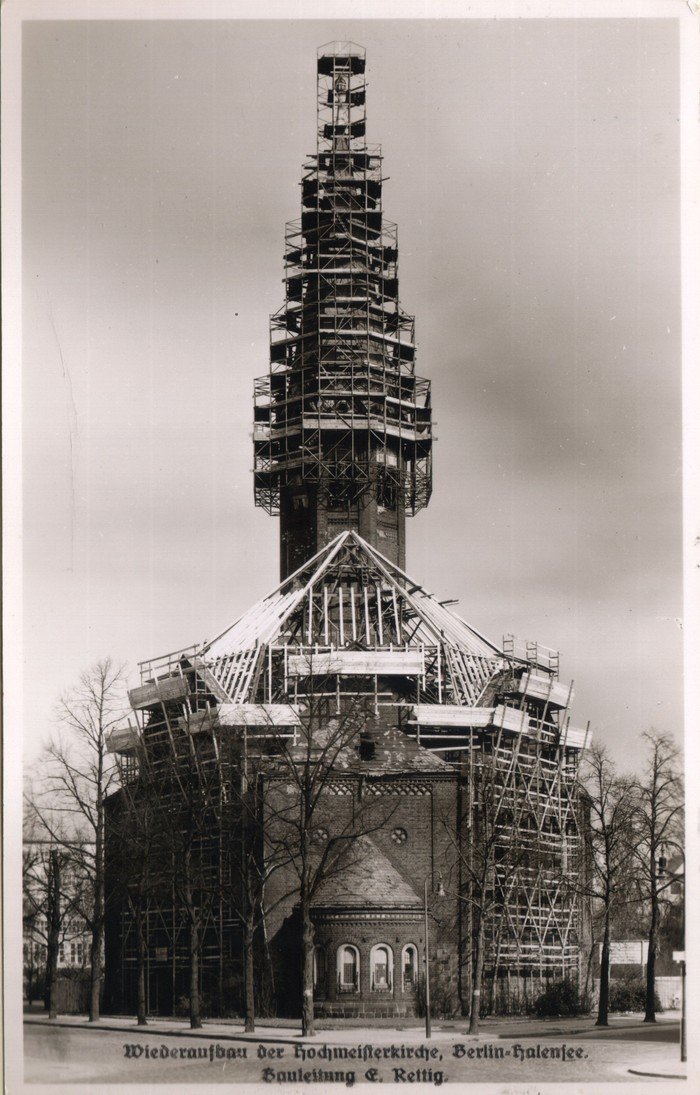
98,902
604,995
588,983
249,959
95,971
478,966
195,1008
140,968
54,930
307,969
650,1009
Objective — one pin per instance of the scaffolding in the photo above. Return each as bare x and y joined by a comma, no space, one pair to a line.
341,406
350,624
342,427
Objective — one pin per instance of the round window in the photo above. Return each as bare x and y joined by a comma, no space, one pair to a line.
399,836
319,836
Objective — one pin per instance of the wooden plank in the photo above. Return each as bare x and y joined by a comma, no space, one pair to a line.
455,715
380,627
246,674
544,688
357,663
210,680
575,738
510,718
156,692
452,714
258,714
396,615
123,740
197,721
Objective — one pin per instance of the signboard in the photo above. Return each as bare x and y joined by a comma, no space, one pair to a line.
628,952
679,956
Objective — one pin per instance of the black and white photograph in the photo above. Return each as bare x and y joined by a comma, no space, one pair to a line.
350,545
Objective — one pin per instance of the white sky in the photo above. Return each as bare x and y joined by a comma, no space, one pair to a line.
533,172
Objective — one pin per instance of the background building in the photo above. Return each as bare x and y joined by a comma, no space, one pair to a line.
72,937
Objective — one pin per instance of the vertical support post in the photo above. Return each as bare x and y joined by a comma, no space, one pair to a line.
428,1029
684,1046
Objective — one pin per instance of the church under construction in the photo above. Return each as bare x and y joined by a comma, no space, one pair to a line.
349,766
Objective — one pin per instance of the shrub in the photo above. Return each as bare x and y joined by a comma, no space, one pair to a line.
630,995
559,999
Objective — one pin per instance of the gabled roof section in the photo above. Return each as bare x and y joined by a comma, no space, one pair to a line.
349,594
367,880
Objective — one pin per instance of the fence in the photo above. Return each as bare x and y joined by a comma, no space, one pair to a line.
72,995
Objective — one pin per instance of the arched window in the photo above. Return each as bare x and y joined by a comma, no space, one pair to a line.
319,969
381,963
348,968
409,968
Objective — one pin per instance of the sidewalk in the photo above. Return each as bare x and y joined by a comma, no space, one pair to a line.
271,1031
233,1030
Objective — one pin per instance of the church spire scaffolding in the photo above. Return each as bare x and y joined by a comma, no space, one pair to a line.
342,426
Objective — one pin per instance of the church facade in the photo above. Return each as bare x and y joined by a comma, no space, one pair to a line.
349,752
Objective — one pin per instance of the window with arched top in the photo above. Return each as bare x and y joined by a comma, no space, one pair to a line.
348,968
381,968
409,968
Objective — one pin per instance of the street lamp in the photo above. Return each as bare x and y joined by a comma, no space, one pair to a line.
678,956
440,892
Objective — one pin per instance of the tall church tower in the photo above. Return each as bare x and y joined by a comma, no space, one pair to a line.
342,430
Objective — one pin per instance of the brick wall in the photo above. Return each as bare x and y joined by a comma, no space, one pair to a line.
424,853
365,931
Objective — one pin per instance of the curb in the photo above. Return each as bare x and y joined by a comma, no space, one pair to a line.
203,1032
657,1075
213,1034
293,1039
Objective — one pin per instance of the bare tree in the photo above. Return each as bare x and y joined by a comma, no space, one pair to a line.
658,825
249,869
611,808
185,797
34,901
327,747
79,774
132,832
212,791
185,832
44,907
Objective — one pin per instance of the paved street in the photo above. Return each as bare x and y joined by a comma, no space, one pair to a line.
524,1051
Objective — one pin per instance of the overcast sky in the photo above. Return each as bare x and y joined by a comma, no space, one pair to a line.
533,173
